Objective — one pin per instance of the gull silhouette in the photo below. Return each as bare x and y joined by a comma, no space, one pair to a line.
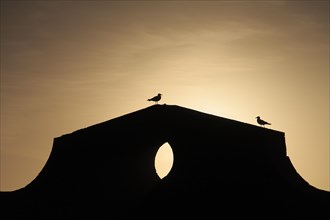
262,122
156,98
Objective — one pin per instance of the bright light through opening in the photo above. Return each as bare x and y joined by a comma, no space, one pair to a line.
164,160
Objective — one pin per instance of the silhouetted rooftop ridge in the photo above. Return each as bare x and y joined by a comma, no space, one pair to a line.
174,110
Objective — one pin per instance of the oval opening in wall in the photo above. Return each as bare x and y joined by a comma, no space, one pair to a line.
164,160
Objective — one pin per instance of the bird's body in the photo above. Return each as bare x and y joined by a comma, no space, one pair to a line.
262,122
156,98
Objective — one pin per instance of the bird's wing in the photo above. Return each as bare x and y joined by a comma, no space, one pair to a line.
153,98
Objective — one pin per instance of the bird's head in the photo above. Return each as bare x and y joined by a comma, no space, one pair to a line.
258,117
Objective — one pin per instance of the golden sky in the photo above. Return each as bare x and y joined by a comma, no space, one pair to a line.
66,65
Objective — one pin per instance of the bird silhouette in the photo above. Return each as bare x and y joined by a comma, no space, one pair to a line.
156,98
262,122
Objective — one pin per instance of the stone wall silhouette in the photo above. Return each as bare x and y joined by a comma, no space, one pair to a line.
221,167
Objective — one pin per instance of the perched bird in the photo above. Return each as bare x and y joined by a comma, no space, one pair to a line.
262,122
156,98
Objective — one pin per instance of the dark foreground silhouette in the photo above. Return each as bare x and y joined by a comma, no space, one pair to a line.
222,169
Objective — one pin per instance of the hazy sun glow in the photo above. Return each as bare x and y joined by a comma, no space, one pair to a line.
66,65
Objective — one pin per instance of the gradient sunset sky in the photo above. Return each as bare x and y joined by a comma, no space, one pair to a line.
66,65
